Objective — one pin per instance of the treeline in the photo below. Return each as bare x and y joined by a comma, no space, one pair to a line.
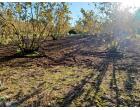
28,24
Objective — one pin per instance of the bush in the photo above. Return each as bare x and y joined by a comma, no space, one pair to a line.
72,31
28,24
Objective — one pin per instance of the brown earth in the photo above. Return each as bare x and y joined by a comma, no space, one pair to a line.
116,72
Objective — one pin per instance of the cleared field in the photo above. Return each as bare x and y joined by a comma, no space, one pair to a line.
75,71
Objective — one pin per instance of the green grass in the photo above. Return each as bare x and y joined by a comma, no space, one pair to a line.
59,81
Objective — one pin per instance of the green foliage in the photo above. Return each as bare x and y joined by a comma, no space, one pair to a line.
62,18
72,31
2,98
88,23
28,24
18,8
113,44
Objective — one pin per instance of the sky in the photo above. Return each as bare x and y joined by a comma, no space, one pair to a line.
75,8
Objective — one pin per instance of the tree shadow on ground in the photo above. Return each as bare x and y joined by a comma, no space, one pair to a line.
131,68
113,83
75,92
20,99
129,85
79,89
102,68
67,58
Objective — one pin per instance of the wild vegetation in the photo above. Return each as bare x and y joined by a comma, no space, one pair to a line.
27,24
46,61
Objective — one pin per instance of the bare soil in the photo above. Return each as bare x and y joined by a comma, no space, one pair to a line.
73,71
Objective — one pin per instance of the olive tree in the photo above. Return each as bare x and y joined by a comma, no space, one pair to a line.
88,23
61,24
28,24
